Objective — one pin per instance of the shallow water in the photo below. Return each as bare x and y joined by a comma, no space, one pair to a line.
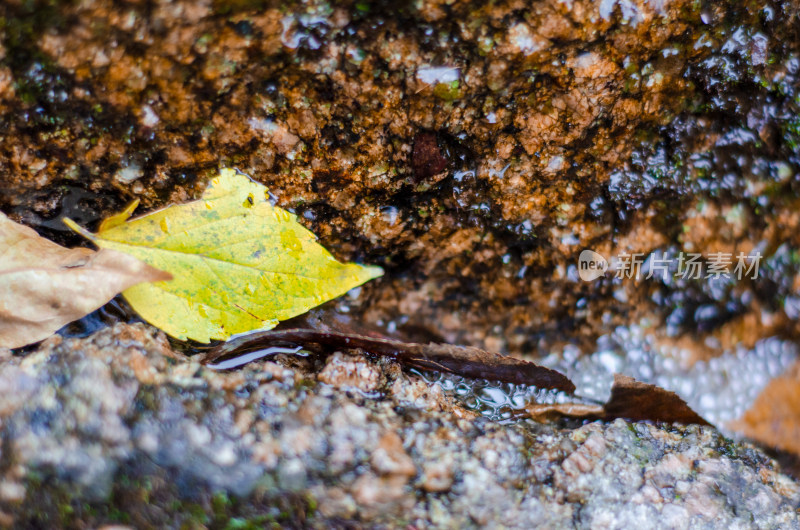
720,390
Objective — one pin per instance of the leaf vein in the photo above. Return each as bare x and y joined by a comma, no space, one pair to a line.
203,257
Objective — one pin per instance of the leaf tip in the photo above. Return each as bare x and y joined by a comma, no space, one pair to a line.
371,272
227,173
77,228
120,218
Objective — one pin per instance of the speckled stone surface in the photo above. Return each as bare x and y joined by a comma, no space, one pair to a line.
118,428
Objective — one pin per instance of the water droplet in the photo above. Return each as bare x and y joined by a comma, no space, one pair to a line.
390,215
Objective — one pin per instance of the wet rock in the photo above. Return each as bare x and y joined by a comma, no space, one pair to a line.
619,126
119,429
342,371
607,125
427,158
391,459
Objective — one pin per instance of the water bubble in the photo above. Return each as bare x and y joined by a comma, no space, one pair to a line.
390,215
720,389
438,74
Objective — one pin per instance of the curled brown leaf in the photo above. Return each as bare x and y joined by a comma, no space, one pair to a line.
631,400
458,360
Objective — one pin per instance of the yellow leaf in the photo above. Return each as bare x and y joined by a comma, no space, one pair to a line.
238,262
44,286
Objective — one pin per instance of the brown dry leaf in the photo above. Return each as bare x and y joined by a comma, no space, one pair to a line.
636,401
546,412
631,400
464,361
44,286
774,417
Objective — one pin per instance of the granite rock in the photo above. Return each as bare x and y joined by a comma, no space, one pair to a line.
118,428
535,131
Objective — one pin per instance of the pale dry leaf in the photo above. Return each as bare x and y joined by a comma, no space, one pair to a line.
774,417
44,286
